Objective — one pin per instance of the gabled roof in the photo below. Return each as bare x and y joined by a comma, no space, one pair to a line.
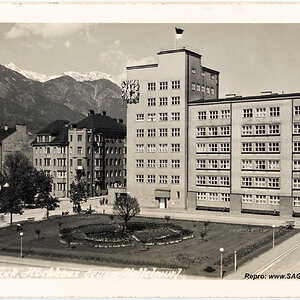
106,125
54,128
6,133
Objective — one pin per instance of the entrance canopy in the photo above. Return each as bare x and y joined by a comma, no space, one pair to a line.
162,193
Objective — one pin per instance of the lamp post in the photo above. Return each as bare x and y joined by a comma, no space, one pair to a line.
273,227
21,236
235,261
221,272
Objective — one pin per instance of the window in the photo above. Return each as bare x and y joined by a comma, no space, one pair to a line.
212,147
198,87
163,101
200,163
175,179
151,163
274,129
200,180
247,164
201,131
296,183
151,86
61,186
213,114
163,163
163,132
151,148
247,199
296,165
163,148
259,182
212,180
212,76
163,85
151,117
224,164
212,91
79,162
163,179
203,74
296,201
47,161
200,147
247,130
201,115
274,111
273,182
207,89
201,196
212,164
79,138
213,196
175,163
163,117
140,133
296,129
193,71
260,147
61,174
175,84
297,110
139,148
273,147
71,138
224,130
139,178
224,181
151,178
260,129
248,112
224,147
175,100
225,197
203,88
151,101
212,131
151,132
225,114
246,181
193,86
175,116
260,199
273,164
175,132
139,163
260,112
175,147
260,164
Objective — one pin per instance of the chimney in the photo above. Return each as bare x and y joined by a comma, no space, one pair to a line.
21,127
5,127
121,121
104,113
91,112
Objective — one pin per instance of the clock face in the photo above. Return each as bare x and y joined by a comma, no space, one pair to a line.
131,91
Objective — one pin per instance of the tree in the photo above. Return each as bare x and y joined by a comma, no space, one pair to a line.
78,191
44,199
38,232
203,235
19,174
167,219
206,223
126,207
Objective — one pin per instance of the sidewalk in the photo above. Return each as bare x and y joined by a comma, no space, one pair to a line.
257,264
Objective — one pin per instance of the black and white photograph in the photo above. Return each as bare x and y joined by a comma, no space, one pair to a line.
149,158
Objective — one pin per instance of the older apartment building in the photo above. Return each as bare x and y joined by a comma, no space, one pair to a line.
187,148
93,147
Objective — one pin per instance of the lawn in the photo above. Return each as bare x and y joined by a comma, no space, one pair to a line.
194,254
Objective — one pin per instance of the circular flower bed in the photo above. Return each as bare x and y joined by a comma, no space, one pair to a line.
111,235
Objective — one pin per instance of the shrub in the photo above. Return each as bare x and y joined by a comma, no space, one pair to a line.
209,269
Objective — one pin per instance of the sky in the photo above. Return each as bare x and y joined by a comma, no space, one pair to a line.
251,58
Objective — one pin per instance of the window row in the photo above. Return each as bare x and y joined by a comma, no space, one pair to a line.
261,147
212,76
162,117
212,180
113,173
49,150
213,147
163,101
162,179
204,89
261,182
261,112
161,147
261,199
213,164
261,164
214,114
213,131
203,196
109,162
161,132
161,163
163,85
270,129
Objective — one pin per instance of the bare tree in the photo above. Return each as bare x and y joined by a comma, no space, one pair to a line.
126,207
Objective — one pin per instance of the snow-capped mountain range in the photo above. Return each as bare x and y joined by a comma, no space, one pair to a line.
90,76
